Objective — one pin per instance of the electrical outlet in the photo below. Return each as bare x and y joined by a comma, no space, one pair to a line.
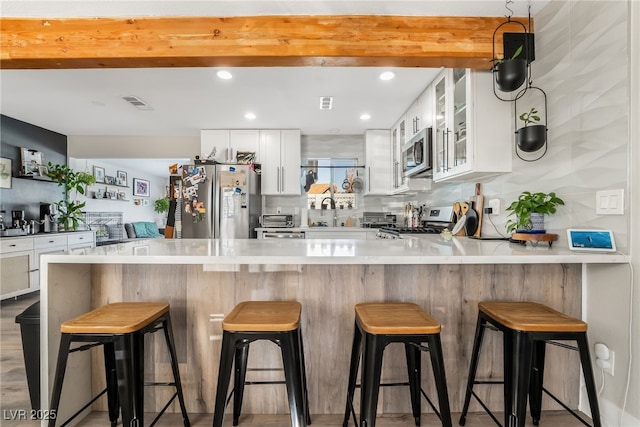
278,210
494,205
605,358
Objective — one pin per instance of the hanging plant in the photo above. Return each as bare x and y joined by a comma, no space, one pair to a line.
510,73
532,136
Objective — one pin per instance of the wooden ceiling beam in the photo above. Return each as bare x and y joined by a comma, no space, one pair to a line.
343,40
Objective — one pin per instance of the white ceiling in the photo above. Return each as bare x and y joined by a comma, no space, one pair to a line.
185,100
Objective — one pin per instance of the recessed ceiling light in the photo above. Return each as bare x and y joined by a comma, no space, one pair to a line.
250,116
365,116
387,75
224,75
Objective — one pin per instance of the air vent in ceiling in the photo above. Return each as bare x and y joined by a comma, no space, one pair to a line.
326,102
137,102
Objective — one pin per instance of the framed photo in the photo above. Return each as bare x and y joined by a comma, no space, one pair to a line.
109,179
98,173
5,173
43,171
121,177
140,187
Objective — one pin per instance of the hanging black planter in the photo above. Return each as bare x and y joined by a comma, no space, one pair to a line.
510,74
531,138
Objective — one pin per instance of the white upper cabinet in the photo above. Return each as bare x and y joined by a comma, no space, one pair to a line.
413,119
280,162
378,161
472,128
227,143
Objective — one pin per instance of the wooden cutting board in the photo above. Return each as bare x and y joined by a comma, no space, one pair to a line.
478,205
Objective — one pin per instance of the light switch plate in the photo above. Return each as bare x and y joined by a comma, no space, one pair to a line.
610,202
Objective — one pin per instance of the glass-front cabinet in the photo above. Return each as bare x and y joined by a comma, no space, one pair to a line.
472,128
451,150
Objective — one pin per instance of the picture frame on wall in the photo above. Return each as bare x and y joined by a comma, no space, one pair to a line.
5,173
121,178
140,187
109,179
98,173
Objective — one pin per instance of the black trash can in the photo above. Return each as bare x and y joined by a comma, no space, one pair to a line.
29,321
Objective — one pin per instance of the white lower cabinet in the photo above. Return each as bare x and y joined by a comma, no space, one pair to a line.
20,258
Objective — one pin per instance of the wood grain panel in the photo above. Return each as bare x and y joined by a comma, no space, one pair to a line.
337,40
328,293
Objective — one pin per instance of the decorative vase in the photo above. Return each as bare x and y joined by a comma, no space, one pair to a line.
531,138
537,221
510,74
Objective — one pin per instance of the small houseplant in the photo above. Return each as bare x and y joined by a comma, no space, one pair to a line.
74,183
529,204
510,73
532,136
161,205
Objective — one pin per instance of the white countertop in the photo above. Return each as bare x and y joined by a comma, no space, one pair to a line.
325,229
427,250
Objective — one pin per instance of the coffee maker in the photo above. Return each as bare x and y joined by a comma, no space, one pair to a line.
17,220
48,213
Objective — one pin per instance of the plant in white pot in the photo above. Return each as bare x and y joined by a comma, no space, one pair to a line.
533,135
74,183
530,209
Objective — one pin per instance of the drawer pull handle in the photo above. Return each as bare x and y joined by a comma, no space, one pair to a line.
13,246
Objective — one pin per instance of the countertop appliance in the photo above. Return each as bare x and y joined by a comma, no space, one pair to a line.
434,220
378,219
48,213
417,155
283,234
218,201
276,221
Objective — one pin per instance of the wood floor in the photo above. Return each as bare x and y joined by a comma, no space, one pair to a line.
14,395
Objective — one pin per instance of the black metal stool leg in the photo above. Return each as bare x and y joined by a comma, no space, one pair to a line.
112,383
293,378
124,371
356,351
587,371
303,369
536,384
437,362
224,377
239,376
168,335
61,367
517,353
412,354
370,378
475,354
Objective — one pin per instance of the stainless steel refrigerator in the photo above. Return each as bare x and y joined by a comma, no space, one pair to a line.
219,201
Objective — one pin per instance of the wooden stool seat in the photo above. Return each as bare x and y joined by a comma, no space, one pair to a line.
116,318
261,316
531,317
400,318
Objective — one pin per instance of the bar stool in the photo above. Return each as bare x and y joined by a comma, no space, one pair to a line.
120,329
249,321
380,324
526,328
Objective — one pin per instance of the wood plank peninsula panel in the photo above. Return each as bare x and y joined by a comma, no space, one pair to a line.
329,40
199,299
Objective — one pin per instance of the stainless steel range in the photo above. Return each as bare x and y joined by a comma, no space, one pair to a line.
434,221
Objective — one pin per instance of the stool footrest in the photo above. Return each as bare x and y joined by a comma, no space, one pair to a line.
84,407
159,384
571,411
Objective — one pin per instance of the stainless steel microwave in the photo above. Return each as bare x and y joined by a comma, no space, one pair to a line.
417,155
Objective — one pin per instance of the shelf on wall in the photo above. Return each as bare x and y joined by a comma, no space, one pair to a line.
35,178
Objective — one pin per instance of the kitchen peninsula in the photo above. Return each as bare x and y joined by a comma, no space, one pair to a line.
203,279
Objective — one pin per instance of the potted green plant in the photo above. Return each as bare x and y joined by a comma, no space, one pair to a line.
510,73
532,136
74,183
530,208
161,205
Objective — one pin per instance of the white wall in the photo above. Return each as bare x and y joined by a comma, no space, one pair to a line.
131,211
